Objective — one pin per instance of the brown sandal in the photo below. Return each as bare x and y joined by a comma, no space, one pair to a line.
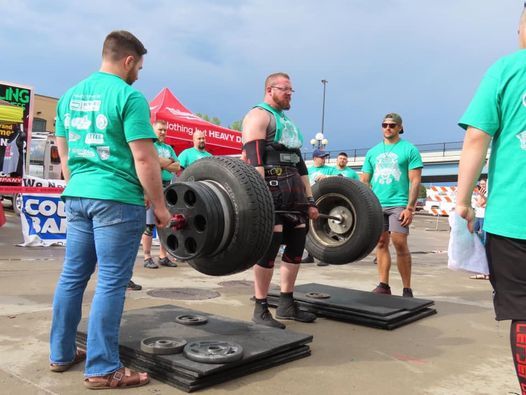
120,379
80,355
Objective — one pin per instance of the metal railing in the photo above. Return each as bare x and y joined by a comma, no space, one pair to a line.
440,148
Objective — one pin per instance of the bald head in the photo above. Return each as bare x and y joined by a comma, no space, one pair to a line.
199,140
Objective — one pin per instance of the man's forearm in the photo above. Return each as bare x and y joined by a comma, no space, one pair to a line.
150,179
471,163
413,193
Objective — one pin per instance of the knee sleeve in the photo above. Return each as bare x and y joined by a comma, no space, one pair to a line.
149,230
272,251
295,243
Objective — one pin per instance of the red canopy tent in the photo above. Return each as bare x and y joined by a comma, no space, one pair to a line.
182,123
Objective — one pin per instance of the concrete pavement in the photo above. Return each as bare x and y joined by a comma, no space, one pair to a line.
461,350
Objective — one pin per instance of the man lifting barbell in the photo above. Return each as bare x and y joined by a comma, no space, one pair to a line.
272,145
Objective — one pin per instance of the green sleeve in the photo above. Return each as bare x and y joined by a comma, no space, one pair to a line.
60,129
172,154
415,159
484,112
136,118
183,158
367,167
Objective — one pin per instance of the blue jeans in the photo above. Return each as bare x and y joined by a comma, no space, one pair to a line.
107,234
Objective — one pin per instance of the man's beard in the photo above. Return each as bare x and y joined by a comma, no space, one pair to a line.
201,146
284,104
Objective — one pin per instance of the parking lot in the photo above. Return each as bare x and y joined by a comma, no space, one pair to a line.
460,350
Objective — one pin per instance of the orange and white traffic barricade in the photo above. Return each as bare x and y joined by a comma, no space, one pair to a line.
440,200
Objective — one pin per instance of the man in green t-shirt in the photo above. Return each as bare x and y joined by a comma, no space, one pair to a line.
190,155
341,168
497,115
109,162
319,170
393,169
169,166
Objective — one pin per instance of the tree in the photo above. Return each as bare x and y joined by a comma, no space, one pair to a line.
236,125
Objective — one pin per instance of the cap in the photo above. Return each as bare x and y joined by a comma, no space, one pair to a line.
319,153
395,117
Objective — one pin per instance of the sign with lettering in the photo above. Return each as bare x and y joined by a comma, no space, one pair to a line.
43,215
14,138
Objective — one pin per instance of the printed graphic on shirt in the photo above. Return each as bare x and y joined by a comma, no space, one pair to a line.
104,152
522,138
81,123
387,170
84,105
94,139
101,121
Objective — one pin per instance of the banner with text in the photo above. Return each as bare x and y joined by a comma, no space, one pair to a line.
43,215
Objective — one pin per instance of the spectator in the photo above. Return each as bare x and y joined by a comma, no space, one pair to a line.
393,168
190,155
319,170
341,168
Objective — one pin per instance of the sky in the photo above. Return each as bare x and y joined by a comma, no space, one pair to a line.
419,58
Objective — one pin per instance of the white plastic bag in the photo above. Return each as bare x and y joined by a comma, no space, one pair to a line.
466,252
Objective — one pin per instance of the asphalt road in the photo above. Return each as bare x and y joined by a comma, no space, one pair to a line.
461,350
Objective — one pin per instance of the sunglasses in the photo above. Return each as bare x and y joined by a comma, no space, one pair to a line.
389,125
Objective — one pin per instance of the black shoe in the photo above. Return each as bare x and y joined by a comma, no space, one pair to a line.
150,264
264,317
407,293
167,262
321,263
134,287
291,311
308,259
382,289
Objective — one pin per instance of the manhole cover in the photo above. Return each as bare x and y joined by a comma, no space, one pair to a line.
237,283
183,293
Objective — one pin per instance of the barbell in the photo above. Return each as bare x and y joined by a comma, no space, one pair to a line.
223,218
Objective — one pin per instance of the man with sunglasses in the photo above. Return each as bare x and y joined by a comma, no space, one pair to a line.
393,169
272,145
497,115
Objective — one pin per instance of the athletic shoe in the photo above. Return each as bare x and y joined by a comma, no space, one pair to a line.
291,311
150,264
167,262
262,316
382,289
407,293
134,287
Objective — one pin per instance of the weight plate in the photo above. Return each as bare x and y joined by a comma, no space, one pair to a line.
191,319
213,351
317,295
162,345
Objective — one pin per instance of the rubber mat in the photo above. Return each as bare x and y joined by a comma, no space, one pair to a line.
263,346
359,301
359,307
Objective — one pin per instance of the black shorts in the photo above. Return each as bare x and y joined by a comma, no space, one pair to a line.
507,268
288,193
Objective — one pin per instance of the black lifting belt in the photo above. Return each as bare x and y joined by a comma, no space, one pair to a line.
284,158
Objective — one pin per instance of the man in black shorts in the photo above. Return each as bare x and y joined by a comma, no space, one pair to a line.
272,145
498,113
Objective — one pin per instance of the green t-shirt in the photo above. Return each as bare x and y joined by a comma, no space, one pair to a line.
389,165
165,151
499,109
98,117
190,155
346,172
315,171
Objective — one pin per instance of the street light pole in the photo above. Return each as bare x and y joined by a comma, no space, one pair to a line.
324,82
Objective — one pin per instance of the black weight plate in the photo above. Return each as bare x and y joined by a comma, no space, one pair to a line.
317,295
252,214
162,345
213,351
191,319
